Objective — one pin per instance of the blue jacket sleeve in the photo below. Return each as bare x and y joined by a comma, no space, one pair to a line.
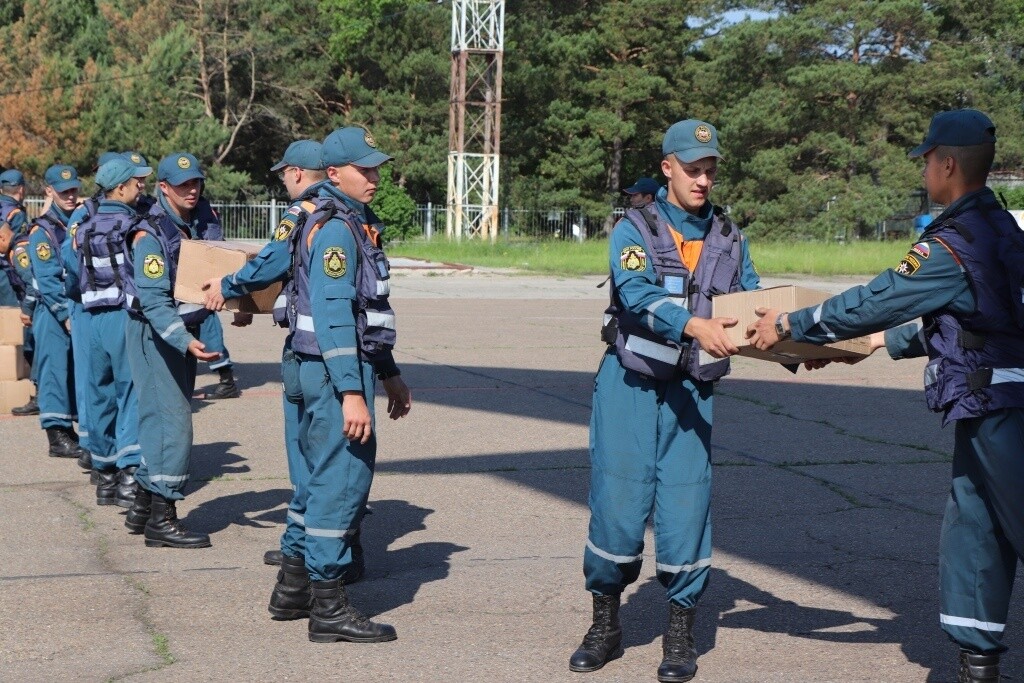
749,279
637,286
905,341
69,255
49,273
23,265
894,297
332,293
154,286
272,264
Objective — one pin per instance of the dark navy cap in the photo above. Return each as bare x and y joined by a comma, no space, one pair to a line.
12,177
643,186
352,145
301,154
958,128
119,170
178,168
61,177
691,140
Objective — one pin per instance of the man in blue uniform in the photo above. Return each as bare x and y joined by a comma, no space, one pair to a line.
162,349
180,182
51,323
12,214
965,278
650,430
343,332
642,192
96,272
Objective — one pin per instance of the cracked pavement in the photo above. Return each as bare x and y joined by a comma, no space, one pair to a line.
828,493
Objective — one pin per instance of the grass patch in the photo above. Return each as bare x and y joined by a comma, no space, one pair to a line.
591,257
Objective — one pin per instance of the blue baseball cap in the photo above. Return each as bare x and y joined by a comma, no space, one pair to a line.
179,167
352,145
691,140
643,186
958,128
137,159
103,158
12,177
301,154
119,170
61,177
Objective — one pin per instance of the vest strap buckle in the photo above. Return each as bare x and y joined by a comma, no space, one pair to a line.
971,341
979,379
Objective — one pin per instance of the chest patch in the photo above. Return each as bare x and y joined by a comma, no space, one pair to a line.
909,265
43,251
153,266
633,258
335,263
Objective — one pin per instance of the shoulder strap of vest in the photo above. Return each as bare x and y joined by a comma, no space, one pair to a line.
646,224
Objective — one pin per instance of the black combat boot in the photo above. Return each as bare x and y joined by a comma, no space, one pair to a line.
106,488
30,408
138,515
127,488
62,443
354,571
85,462
603,641
164,530
292,597
226,388
679,661
975,668
332,618
273,557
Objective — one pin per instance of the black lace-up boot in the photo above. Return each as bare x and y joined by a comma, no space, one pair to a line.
333,618
679,662
292,597
603,641
165,530
975,668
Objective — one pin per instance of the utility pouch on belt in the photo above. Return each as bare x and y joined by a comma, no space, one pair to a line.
290,377
610,330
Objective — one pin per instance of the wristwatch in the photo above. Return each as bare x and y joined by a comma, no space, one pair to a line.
781,331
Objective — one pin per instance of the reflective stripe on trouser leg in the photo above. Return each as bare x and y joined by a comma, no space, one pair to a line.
340,471
126,437
162,377
55,381
977,557
100,392
682,502
293,540
623,433
81,335
211,333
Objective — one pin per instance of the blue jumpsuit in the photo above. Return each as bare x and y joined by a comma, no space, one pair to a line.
983,527
650,441
55,374
340,471
163,372
109,394
81,332
273,264
211,332
13,214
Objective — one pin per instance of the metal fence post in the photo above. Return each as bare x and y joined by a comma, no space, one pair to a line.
273,215
430,221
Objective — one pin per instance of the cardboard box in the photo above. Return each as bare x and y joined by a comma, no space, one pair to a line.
14,393
11,329
201,260
741,305
12,363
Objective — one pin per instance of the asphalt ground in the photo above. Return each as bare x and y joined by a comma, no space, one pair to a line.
829,489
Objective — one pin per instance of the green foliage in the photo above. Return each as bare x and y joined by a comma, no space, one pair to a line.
394,207
1013,196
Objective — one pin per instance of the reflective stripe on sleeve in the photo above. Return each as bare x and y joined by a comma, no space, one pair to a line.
171,329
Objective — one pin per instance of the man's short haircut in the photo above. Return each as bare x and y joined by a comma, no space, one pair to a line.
315,174
974,161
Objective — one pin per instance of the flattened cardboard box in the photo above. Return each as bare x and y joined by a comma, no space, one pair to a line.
11,329
201,260
12,363
14,393
741,305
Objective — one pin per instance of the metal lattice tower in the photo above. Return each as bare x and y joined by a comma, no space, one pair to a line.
474,124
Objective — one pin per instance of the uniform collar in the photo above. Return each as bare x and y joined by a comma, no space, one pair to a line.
173,215
112,206
358,207
679,218
983,198
58,214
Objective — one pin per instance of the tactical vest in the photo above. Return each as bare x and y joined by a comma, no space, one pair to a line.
375,320
976,361
102,255
155,223
206,222
718,270
297,213
7,266
54,229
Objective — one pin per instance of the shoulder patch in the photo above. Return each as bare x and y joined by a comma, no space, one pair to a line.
633,258
335,263
22,257
284,228
43,251
153,266
909,265
921,249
